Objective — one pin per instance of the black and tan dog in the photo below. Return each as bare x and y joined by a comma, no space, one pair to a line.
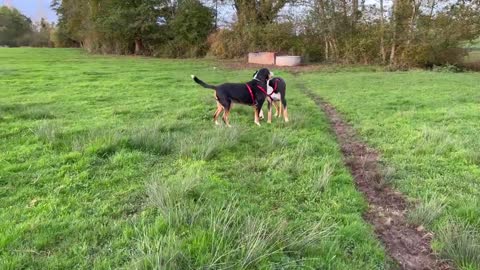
276,90
251,93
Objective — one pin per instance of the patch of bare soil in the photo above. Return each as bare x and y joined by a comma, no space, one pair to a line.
408,245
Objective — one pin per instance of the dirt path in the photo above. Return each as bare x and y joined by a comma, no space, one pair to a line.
408,245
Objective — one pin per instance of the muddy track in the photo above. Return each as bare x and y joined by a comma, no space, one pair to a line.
408,245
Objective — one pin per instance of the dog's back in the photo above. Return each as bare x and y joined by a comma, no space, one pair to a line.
278,84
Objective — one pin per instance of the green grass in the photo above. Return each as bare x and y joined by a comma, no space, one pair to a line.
114,162
426,126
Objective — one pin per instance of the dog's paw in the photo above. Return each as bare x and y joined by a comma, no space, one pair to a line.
258,124
193,76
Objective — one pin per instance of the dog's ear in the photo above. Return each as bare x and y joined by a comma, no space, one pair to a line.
264,74
255,74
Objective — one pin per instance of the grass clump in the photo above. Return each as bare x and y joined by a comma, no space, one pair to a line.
208,143
174,196
322,178
152,139
28,111
48,132
461,244
426,212
162,252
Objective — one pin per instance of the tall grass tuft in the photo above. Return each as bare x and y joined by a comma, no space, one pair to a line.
295,162
34,113
260,240
426,212
322,178
172,196
47,131
152,139
460,243
101,142
306,237
159,252
208,144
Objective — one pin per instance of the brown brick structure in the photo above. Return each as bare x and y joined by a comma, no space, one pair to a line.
263,58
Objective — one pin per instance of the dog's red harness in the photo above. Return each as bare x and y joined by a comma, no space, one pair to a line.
276,86
261,89
265,92
251,93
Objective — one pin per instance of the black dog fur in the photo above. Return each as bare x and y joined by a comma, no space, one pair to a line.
229,93
276,87
279,86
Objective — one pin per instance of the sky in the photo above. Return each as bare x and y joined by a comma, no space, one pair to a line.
34,9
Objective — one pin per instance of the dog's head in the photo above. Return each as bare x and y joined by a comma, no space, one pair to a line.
263,75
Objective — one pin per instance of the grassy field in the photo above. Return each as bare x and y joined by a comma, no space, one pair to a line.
427,126
114,162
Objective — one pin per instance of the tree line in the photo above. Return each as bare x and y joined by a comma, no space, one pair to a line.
18,30
397,33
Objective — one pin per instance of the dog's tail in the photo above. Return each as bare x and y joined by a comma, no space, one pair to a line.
202,83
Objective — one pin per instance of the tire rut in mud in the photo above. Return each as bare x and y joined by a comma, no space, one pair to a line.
408,245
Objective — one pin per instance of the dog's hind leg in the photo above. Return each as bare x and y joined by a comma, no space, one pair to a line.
226,113
217,113
285,112
277,109
269,104
225,118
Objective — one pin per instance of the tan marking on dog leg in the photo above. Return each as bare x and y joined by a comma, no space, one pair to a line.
257,120
217,113
261,114
225,117
285,114
269,120
275,104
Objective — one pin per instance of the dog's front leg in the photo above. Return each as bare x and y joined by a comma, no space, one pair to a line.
285,112
256,116
269,104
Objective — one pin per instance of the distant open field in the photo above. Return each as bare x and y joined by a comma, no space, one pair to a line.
473,56
474,52
114,162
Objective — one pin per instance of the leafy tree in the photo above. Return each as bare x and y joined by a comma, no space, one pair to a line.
190,28
133,22
40,37
15,28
